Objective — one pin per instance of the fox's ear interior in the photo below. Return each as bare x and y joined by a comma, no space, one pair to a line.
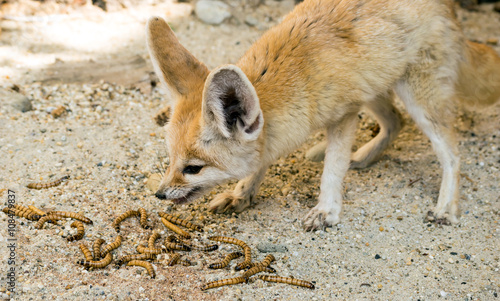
176,67
231,104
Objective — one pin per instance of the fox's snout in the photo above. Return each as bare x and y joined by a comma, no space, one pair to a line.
160,194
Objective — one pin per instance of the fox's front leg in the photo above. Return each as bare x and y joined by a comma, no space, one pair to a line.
338,154
241,197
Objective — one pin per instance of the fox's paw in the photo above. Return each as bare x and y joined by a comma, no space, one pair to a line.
440,220
320,217
227,202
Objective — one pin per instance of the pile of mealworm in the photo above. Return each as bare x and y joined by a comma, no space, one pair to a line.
102,255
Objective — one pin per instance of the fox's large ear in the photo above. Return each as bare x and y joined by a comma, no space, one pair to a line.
178,70
230,104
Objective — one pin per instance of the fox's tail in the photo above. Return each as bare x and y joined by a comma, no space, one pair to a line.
479,76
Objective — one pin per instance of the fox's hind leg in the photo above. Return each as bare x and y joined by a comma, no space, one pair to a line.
390,121
428,100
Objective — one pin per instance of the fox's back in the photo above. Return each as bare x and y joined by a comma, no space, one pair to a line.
365,45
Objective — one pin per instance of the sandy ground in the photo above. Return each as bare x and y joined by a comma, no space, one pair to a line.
109,145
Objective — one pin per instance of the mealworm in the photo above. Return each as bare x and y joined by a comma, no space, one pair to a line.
246,249
144,218
147,265
97,248
225,262
22,213
143,249
185,262
80,231
47,185
24,209
172,238
223,282
229,240
176,229
152,239
128,258
178,221
73,215
208,248
264,263
174,259
36,210
121,218
86,252
177,245
46,218
259,267
287,280
97,264
248,259
110,247
267,269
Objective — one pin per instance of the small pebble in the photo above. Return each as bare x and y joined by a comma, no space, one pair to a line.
271,248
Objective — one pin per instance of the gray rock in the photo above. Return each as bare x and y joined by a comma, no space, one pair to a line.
251,21
265,247
212,11
17,100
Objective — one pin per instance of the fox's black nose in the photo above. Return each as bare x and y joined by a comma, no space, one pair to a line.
160,195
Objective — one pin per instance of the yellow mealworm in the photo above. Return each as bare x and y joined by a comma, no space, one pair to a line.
246,249
208,248
267,269
176,229
121,218
128,258
225,262
97,264
152,239
147,265
97,248
47,185
229,240
287,280
110,247
176,246
22,213
248,259
86,252
259,267
181,222
174,259
73,215
144,218
172,238
143,249
36,210
46,218
80,231
185,262
223,282
24,209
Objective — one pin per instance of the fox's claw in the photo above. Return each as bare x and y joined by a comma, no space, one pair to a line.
319,219
432,218
227,202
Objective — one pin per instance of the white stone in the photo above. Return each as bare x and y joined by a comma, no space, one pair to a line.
212,11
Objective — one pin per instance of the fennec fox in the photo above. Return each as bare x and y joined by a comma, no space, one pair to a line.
315,70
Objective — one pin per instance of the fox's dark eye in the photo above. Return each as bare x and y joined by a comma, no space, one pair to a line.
192,169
